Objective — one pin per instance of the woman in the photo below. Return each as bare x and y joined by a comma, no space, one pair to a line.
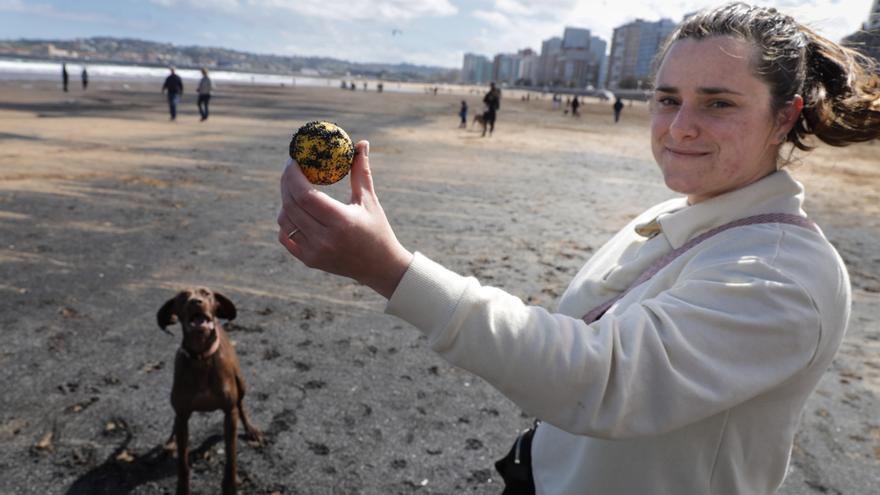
694,380
204,91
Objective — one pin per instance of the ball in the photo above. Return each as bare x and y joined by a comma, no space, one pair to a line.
323,151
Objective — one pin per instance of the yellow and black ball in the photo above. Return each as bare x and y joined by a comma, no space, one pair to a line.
323,151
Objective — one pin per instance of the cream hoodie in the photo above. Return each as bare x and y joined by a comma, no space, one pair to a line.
693,383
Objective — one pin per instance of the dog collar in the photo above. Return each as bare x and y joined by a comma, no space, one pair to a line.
205,355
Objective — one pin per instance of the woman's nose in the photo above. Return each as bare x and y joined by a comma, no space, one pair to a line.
685,124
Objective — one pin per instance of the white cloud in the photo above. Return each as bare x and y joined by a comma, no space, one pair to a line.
221,5
509,33
385,10
495,18
12,5
50,11
514,7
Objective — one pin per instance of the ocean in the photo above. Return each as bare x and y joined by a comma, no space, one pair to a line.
18,69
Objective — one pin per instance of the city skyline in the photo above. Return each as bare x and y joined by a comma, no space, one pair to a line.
423,32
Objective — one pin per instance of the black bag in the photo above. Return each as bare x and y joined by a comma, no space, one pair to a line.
516,467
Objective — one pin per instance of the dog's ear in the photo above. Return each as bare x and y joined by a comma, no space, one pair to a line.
167,315
225,308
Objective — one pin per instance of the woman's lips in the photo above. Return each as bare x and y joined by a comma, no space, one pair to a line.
686,153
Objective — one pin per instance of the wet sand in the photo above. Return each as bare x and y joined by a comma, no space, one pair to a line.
107,208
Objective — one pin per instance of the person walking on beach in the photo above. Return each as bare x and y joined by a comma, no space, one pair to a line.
65,77
618,106
575,104
85,78
462,112
174,88
204,91
492,101
681,355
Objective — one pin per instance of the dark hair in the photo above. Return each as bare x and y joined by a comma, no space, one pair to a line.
840,88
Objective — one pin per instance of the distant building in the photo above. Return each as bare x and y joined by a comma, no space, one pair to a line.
529,65
505,68
573,61
550,51
633,47
874,16
476,69
599,47
52,51
867,40
575,38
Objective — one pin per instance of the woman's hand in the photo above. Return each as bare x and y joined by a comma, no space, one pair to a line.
353,240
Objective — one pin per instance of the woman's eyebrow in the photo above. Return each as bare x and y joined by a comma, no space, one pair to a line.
717,91
712,90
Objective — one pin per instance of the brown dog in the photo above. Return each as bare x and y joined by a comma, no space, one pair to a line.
207,377
479,119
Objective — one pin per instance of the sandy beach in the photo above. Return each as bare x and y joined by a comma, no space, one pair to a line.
107,209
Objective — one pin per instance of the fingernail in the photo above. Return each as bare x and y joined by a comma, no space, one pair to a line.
367,149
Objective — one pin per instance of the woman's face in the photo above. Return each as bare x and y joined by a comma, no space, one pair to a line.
712,129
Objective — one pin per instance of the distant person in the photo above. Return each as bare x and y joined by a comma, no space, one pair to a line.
174,87
85,78
204,91
380,87
618,106
462,112
365,86
65,78
492,100
352,87
575,104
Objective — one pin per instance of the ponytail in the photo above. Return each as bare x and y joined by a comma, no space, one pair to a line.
841,94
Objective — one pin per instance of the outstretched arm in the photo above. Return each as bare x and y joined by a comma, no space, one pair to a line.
354,240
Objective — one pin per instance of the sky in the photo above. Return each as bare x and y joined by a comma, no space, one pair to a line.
423,32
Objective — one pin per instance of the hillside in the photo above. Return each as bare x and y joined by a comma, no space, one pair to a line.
141,52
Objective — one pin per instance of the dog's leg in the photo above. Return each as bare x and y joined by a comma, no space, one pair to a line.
181,431
253,433
230,426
